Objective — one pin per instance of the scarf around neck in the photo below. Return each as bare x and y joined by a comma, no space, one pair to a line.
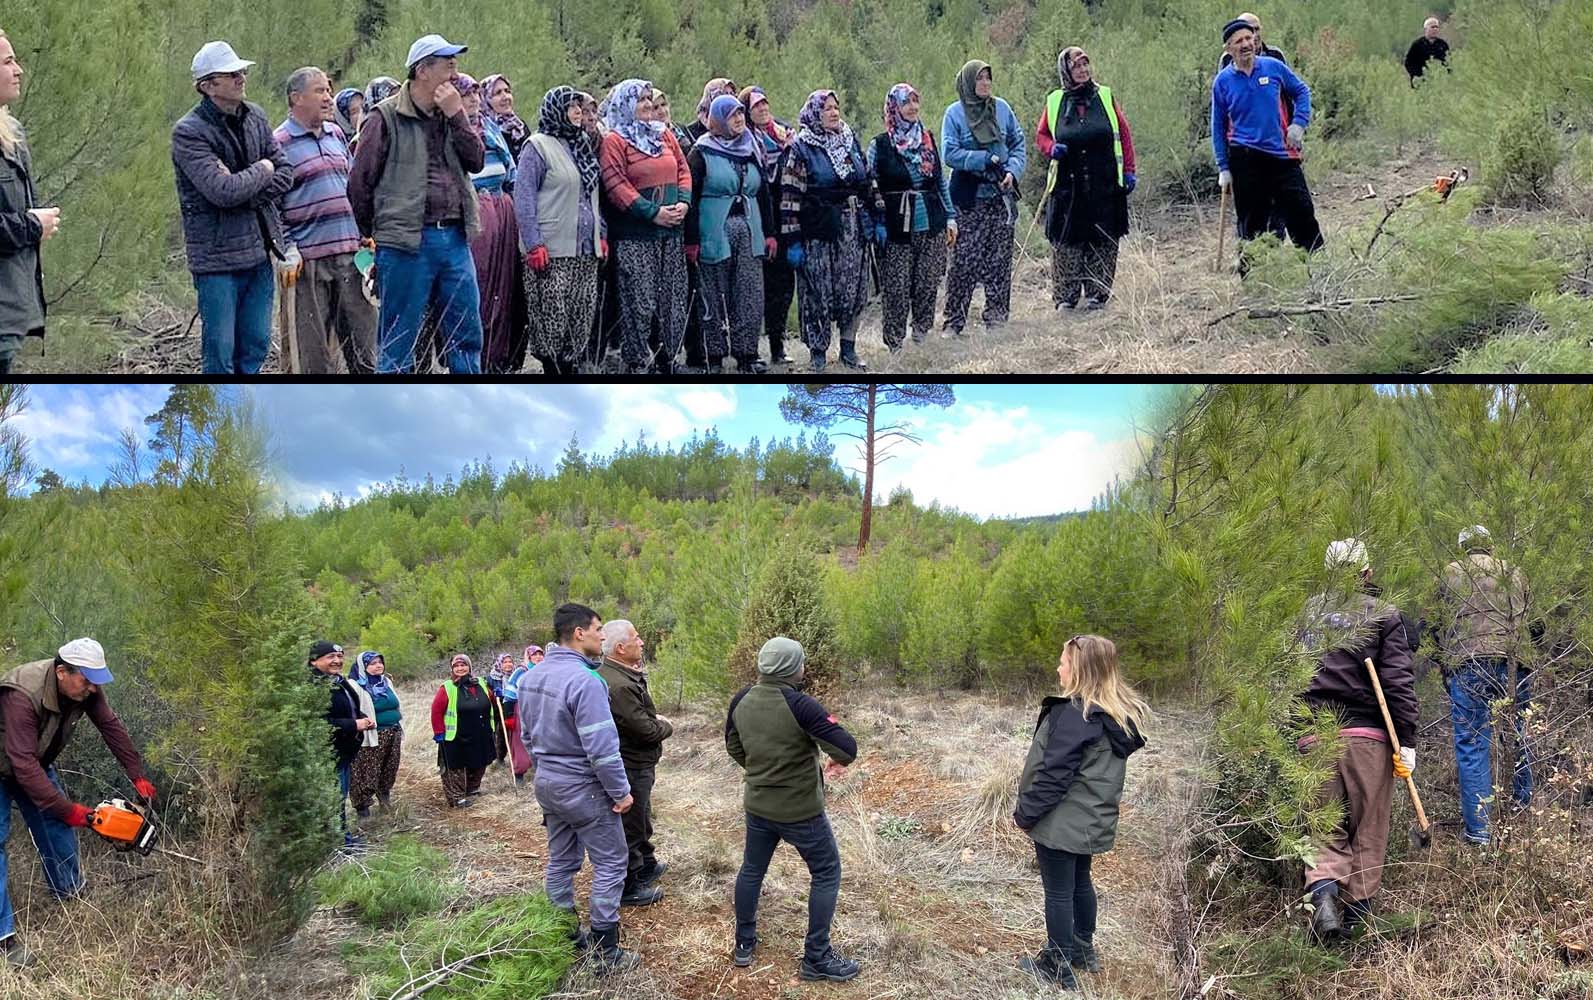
742,147
553,120
511,125
836,145
979,111
910,138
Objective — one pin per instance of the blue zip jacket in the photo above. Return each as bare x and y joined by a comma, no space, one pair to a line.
963,153
566,723
1248,110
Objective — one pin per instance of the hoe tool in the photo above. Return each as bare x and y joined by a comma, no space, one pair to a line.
1421,832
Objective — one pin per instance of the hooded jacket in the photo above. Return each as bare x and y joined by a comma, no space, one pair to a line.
1072,779
776,734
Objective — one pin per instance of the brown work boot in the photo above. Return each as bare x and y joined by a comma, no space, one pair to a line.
17,954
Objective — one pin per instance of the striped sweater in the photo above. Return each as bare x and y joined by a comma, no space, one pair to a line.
316,213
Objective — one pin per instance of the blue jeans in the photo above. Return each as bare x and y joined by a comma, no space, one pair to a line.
345,775
235,317
57,844
441,274
813,840
1472,689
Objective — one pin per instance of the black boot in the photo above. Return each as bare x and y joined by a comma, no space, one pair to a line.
1082,956
849,356
1357,914
641,894
15,953
1327,922
577,936
816,362
1049,967
607,955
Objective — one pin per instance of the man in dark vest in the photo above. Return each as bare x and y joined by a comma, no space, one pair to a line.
40,702
344,716
411,191
642,732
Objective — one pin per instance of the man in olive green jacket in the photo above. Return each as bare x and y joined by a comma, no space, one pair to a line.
776,733
642,732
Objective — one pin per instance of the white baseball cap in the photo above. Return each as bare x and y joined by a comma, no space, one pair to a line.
88,657
432,45
1347,552
1475,533
218,57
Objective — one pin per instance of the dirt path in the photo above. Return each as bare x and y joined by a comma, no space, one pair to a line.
940,894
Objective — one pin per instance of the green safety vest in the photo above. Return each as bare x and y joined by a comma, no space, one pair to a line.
1053,111
451,713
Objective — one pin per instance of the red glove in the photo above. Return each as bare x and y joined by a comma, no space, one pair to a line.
537,259
692,251
145,789
602,249
79,815
771,246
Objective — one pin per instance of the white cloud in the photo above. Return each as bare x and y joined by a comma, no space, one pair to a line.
74,429
995,462
665,415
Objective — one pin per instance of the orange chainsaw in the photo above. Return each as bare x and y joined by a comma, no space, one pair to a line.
129,827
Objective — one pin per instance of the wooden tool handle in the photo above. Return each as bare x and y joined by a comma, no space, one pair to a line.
1388,721
1222,230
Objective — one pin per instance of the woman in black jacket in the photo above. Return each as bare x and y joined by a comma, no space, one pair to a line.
23,224
467,724
920,220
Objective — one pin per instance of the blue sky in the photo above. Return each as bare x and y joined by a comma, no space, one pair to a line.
999,451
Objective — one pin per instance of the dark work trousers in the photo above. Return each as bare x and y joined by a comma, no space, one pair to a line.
1267,187
779,288
638,821
1070,905
814,840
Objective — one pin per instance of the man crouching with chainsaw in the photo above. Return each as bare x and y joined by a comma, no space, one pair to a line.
40,702
1346,626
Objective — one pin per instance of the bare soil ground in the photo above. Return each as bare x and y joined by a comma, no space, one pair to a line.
940,893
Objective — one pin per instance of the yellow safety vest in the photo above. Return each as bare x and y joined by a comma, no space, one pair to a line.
1053,112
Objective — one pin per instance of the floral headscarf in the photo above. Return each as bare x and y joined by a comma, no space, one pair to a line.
778,134
553,119
837,145
719,86
648,137
910,138
345,120
467,85
513,127
379,90
1064,70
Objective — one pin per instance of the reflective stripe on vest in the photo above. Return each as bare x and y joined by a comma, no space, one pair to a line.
1053,114
451,715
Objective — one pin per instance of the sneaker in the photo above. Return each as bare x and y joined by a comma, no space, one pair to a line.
1094,304
17,954
462,803
950,332
831,967
743,956
641,895
1082,956
1049,968
780,358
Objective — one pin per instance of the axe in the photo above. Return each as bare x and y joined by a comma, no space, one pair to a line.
1421,834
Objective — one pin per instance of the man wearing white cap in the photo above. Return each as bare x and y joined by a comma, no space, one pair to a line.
411,191
1488,599
230,173
40,702
1344,626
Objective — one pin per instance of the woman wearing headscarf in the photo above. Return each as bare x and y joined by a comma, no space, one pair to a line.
349,110
498,97
376,765
985,150
779,280
828,215
729,233
662,112
379,90
920,220
558,206
647,187
466,722
1083,133
496,248
719,86
24,226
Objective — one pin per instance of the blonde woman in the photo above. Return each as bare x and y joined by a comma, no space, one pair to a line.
1069,793
23,224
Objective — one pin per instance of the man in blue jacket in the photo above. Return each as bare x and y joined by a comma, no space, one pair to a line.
1257,147
580,784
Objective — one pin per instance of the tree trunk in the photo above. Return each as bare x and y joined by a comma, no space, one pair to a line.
868,476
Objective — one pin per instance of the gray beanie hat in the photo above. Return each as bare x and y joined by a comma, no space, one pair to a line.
780,657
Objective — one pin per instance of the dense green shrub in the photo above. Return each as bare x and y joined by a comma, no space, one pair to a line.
405,879
1524,155
788,599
